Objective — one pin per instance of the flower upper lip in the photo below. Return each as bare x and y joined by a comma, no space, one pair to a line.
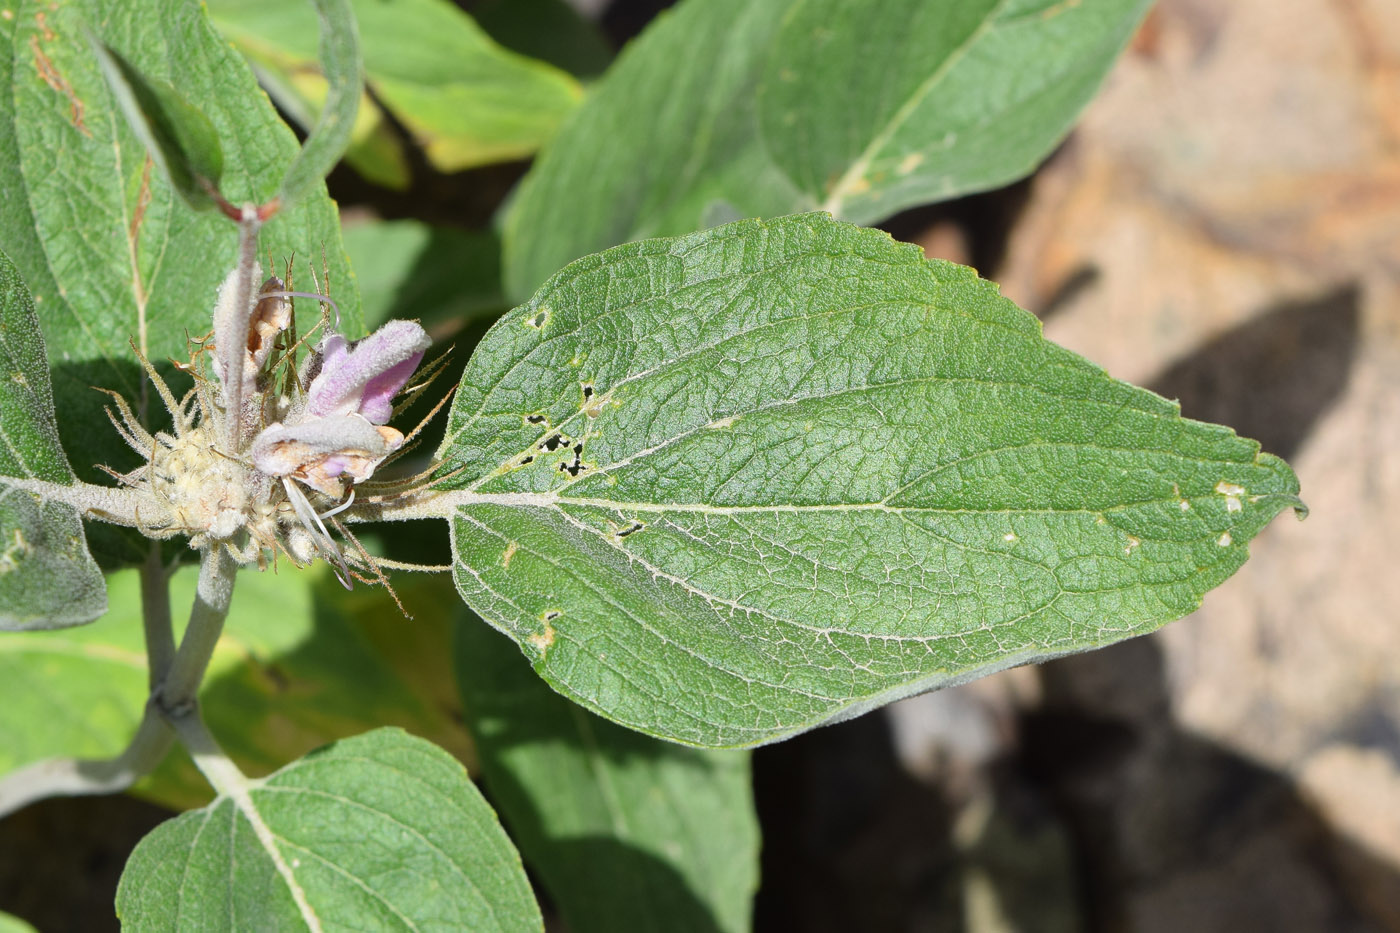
363,377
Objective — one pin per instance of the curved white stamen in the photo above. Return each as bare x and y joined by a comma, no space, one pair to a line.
342,507
317,530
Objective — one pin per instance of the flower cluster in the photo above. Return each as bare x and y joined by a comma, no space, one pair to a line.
265,449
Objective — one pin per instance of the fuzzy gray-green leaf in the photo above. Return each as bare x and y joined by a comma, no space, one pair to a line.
727,487
339,55
177,136
47,577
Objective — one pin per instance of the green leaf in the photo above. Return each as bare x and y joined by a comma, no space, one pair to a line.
13,924
177,136
627,833
376,832
301,663
442,277
109,252
466,99
727,487
343,71
753,108
47,577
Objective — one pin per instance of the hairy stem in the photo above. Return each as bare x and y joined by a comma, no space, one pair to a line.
103,503
70,777
232,354
155,616
213,594
172,695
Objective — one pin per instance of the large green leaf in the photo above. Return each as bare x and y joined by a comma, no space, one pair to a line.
301,663
74,692
726,487
383,831
753,108
627,833
110,253
47,577
467,100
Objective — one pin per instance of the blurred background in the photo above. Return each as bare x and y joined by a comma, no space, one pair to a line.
1224,227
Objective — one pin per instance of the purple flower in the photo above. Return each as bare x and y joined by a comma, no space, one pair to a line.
336,430
363,377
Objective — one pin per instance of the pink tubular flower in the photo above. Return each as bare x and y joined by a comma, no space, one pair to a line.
363,377
335,432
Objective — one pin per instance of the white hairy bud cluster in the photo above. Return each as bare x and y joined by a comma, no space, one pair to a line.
205,491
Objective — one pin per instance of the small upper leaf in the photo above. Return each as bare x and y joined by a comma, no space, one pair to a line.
178,137
753,108
47,577
726,487
382,831
344,74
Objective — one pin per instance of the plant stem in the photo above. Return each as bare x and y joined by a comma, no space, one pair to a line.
155,616
213,594
172,696
68,777
248,226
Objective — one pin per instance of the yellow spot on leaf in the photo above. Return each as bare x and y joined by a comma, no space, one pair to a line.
509,553
1232,494
14,553
1132,545
1224,540
542,640
909,163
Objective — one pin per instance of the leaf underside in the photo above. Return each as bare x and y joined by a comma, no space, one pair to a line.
726,487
